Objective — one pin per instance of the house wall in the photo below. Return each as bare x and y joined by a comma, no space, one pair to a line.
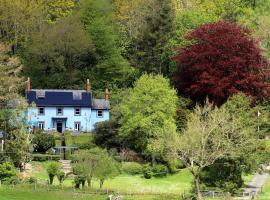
88,118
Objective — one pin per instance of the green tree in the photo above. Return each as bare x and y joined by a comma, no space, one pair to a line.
211,134
148,50
18,20
107,168
86,163
57,56
11,106
8,172
148,115
111,68
57,9
42,142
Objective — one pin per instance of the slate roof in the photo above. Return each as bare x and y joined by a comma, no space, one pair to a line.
101,104
79,98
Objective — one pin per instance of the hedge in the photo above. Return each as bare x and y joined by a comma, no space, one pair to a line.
45,157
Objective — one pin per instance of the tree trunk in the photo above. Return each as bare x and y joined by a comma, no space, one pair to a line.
51,179
89,180
198,188
153,160
101,181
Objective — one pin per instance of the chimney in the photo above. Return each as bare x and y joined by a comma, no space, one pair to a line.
88,86
28,86
106,94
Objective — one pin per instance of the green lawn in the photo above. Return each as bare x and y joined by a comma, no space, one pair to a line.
265,195
25,193
175,184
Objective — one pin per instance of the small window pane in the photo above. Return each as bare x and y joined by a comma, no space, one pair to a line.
59,111
77,111
100,113
41,111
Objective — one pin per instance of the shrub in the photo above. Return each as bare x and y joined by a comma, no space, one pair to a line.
45,157
32,180
160,170
147,172
53,169
175,165
43,141
8,173
132,168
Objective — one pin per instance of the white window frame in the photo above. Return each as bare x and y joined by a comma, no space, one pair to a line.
62,111
102,113
39,110
76,113
77,126
41,125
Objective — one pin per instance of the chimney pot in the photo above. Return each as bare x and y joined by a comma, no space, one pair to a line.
106,94
88,86
28,85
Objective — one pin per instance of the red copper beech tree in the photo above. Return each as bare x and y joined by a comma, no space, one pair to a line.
222,60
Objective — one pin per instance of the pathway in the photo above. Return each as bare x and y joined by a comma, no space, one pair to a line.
255,185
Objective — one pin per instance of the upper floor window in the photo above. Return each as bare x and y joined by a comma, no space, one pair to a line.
40,94
77,126
41,125
100,113
77,111
41,111
59,111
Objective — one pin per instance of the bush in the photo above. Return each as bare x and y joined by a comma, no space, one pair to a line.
43,141
8,173
45,157
32,180
132,168
175,165
160,170
53,169
147,172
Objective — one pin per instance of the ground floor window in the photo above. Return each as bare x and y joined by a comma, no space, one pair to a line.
41,125
77,126
100,113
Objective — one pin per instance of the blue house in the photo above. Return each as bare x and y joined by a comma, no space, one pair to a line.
65,110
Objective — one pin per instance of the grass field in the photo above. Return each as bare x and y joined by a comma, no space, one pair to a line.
25,193
171,184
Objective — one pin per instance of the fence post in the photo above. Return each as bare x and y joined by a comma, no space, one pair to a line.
0,183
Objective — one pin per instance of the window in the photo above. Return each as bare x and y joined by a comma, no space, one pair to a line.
77,126
100,113
41,125
77,111
59,111
40,94
41,111
77,95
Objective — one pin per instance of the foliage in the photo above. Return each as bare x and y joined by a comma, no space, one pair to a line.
19,19
53,169
211,134
42,141
57,9
147,172
56,55
86,163
106,168
132,168
11,82
214,65
111,68
8,173
160,170
225,174
149,49
147,120
45,157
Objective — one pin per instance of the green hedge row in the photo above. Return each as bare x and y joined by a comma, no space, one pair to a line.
45,157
